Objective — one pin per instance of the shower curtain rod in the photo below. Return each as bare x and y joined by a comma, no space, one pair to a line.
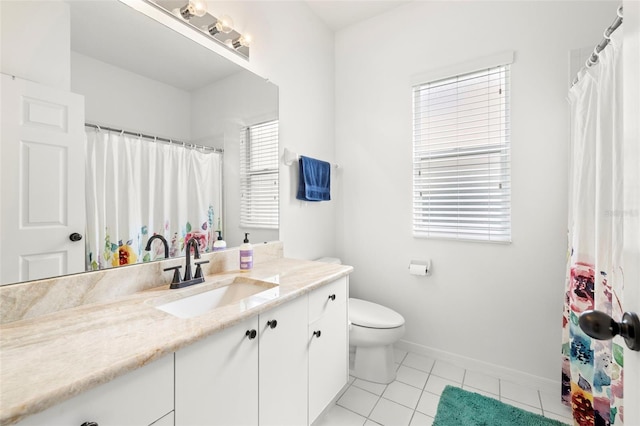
593,59
154,138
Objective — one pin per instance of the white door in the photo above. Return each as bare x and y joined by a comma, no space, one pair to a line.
41,181
631,98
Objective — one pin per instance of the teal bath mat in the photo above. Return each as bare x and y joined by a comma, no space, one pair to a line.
458,407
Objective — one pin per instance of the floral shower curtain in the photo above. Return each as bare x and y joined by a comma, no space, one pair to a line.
592,371
137,188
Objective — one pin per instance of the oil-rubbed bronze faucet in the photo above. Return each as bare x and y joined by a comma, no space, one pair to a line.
164,242
188,278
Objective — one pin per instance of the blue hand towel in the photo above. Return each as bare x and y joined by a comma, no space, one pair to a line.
314,183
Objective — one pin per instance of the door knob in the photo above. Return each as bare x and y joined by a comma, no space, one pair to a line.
251,334
317,333
272,323
601,326
89,424
75,237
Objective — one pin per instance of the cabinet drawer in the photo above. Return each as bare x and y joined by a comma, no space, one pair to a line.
138,398
327,298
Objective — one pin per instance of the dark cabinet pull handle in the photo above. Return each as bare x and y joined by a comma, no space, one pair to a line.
317,333
89,424
601,326
251,334
76,237
332,297
272,323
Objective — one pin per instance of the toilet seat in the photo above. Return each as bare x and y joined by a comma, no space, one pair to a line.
371,315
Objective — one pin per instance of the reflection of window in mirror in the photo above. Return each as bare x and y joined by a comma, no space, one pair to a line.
259,176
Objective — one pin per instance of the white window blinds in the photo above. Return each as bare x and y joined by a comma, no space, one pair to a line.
259,176
461,158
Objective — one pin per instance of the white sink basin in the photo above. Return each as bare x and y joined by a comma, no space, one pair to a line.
245,291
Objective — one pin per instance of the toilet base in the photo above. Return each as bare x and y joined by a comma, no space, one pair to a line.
375,364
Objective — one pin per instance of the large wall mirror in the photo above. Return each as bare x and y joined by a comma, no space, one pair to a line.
160,88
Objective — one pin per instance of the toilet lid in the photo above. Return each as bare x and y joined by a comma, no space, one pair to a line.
368,314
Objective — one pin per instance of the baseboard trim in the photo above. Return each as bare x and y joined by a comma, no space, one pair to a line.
503,373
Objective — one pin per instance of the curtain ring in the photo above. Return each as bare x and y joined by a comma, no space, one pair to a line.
606,34
619,12
98,127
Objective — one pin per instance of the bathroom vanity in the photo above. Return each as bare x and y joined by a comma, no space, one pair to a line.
271,358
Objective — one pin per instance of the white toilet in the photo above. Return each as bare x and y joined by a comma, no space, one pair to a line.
373,329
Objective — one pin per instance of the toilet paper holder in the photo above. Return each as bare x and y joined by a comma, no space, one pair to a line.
420,267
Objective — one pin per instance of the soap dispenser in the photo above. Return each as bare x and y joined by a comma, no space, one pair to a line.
246,254
219,244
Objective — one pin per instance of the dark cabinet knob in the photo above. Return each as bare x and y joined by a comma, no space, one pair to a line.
317,333
75,237
332,297
601,326
272,323
251,334
89,424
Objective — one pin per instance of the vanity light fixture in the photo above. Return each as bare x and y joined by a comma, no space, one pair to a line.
193,8
224,24
219,28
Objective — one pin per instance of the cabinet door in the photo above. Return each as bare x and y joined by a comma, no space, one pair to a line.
283,365
217,379
328,359
165,421
137,398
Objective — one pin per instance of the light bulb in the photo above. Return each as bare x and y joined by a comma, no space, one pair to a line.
224,24
194,8
242,41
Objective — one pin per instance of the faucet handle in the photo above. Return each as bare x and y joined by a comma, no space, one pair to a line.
199,268
176,273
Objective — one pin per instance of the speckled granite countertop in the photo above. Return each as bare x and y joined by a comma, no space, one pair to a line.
48,359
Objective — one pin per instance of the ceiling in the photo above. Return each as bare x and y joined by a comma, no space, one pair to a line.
339,14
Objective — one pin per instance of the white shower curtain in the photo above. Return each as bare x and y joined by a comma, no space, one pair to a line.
592,369
137,188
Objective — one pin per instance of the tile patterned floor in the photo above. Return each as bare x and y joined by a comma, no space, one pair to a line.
412,399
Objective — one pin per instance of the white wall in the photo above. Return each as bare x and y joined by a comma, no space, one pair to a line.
495,303
34,42
119,98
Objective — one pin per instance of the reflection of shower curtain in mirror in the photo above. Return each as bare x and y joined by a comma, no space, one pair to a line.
137,188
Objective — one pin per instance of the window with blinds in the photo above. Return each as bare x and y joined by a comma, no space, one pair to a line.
461,157
259,176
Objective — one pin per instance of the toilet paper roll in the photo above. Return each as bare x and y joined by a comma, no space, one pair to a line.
416,269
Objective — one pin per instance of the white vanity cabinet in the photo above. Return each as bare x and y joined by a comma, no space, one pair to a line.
217,378
259,378
283,365
141,398
329,345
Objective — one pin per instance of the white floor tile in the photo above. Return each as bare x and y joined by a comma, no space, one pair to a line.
436,384
339,416
411,376
402,394
398,355
420,419
482,381
428,404
358,400
388,413
371,423
418,362
522,394
553,404
480,391
372,387
448,371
